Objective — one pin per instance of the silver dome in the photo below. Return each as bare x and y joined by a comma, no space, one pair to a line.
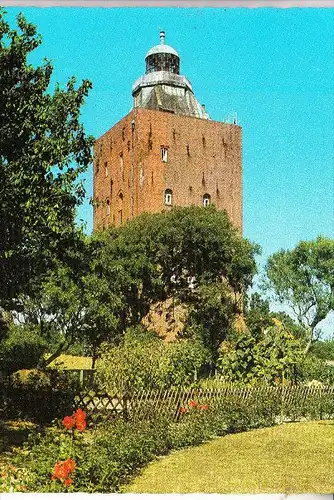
162,49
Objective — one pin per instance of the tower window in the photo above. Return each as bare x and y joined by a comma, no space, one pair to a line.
188,150
121,163
106,169
206,200
164,154
168,197
108,207
123,133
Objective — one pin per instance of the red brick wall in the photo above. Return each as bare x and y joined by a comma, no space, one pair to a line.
203,157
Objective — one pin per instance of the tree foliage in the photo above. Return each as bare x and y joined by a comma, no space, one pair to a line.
73,304
324,349
257,314
212,311
43,151
114,277
154,256
303,279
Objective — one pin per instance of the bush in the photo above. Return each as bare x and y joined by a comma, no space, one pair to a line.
323,349
30,379
249,359
312,368
37,395
145,361
23,348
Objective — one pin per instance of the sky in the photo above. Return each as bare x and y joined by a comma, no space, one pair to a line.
273,67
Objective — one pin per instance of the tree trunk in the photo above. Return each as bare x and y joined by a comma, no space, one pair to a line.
94,357
309,342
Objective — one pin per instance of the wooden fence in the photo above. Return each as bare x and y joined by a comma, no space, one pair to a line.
168,402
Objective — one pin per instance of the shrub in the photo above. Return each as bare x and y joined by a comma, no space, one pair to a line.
37,395
249,359
30,379
23,348
145,361
311,368
323,349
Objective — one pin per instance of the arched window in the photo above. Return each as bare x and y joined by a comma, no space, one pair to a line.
206,200
168,197
164,154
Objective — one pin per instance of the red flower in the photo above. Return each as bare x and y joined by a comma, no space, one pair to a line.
59,471
81,425
69,464
193,403
62,470
183,410
68,422
204,407
68,482
79,415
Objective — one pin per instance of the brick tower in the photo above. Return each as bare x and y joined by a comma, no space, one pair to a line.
166,152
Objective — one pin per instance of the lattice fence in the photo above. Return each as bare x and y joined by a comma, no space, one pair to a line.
169,402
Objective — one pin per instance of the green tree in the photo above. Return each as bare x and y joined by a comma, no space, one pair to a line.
43,151
277,355
74,305
324,349
257,314
303,279
212,311
154,256
236,359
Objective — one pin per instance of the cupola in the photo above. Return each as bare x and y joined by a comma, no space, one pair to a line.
162,87
162,57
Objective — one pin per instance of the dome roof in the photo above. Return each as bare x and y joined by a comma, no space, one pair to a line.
162,48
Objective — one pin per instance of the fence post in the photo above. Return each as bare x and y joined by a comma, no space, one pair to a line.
125,401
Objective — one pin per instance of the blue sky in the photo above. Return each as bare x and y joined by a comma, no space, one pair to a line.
274,67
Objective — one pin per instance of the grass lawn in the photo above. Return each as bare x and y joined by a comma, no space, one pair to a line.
291,458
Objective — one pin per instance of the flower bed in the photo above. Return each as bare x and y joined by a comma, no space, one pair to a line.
82,456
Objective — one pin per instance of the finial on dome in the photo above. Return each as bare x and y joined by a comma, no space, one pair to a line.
162,37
